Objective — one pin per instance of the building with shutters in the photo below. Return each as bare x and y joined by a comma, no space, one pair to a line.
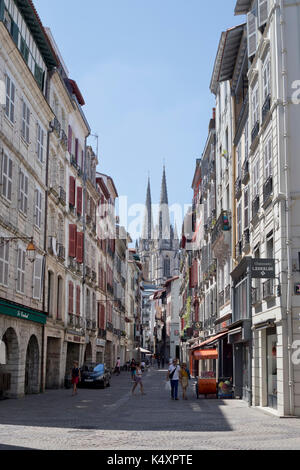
133,304
27,60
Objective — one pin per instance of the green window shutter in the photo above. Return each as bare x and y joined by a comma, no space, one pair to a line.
2,7
15,32
39,75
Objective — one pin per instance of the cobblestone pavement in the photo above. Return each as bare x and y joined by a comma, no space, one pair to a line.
112,419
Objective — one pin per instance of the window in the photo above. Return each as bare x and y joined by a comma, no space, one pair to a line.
7,167
23,192
268,158
255,105
40,143
50,293
10,99
25,122
71,298
21,270
38,208
266,78
37,278
4,260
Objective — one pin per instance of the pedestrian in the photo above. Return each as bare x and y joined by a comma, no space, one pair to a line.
158,361
143,365
132,369
76,377
118,366
163,361
138,379
184,376
173,376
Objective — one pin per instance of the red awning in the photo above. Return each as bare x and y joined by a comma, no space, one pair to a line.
205,354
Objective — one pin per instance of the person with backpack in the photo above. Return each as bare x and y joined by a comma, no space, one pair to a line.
173,376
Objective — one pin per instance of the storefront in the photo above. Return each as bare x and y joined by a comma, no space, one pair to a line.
265,363
21,337
239,336
100,350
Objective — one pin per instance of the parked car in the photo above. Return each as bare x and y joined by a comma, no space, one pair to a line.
93,374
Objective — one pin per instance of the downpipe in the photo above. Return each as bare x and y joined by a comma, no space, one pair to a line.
287,208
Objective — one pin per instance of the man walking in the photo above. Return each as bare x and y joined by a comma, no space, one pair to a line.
118,366
173,376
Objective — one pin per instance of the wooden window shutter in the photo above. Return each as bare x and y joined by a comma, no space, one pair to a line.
252,32
263,12
79,200
70,139
76,150
79,247
71,297
72,190
72,240
78,293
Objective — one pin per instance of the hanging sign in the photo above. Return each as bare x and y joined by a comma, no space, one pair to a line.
263,268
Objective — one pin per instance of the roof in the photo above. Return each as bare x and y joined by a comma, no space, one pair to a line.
242,7
228,49
36,27
77,92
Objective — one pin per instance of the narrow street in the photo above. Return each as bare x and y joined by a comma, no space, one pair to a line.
112,419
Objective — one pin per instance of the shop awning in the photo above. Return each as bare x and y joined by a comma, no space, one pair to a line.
205,354
210,340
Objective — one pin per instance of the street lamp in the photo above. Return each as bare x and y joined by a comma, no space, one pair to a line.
30,250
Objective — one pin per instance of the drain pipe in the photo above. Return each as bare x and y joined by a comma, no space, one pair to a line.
287,207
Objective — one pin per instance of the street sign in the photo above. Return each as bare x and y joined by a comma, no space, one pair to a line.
263,268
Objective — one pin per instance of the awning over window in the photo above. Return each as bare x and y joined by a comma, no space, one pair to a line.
205,354
211,340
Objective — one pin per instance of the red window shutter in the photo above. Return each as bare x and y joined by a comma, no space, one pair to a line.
79,247
78,300
70,139
72,240
103,317
79,200
191,277
76,150
71,289
72,191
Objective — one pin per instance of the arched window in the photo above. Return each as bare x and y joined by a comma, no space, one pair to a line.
167,267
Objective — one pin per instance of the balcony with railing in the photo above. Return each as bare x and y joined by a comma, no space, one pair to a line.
61,252
267,190
76,321
109,327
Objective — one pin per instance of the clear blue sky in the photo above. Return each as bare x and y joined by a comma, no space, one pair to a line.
144,69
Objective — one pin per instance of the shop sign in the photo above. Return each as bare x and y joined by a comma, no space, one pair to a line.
263,268
100,342
75,339
22,312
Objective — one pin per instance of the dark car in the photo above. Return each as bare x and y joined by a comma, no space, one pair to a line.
93,374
